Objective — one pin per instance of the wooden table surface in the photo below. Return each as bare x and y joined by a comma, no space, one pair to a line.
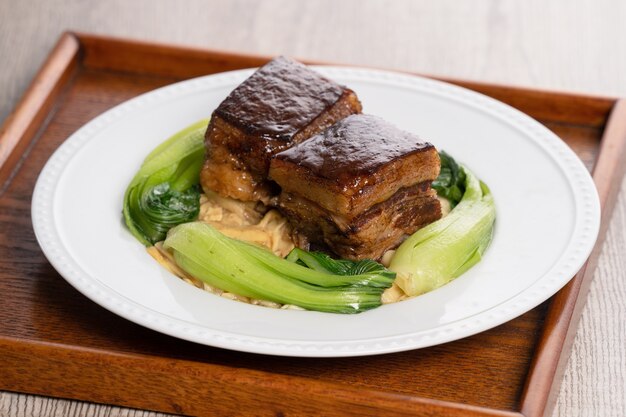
577,45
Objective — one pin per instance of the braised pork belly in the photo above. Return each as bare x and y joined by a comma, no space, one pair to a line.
359,187
280,105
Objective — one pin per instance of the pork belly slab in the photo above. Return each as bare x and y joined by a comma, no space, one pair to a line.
282,104
368,235
358,162
359,188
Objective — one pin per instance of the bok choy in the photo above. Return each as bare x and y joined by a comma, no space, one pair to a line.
165,191
450,184
245,269
321,262
445,249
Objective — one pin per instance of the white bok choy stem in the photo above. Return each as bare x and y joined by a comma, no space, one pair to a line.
445,249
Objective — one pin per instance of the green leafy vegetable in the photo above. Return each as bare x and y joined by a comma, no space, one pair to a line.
450,183
321,262
252,271
447,248
163,200
165,191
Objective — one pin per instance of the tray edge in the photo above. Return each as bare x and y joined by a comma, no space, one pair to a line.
114,53
34,108
544,378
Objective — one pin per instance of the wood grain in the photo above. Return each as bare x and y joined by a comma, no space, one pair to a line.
600,392
109,53
554,345
72,362
22,125
502,353
557,44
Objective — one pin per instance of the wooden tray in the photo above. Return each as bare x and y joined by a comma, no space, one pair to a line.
55,342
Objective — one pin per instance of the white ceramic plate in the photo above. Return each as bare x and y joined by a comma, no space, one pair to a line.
547,205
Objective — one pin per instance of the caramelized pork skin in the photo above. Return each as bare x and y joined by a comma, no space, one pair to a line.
360,161
359,187
282,104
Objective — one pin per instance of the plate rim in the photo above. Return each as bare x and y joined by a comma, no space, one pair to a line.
49,241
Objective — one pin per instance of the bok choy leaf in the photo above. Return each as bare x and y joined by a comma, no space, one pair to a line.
252,271
165,191
321,262
450,184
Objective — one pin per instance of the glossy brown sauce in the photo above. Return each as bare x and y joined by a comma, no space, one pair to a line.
279,100
355,146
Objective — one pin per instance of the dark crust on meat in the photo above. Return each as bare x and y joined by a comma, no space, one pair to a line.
358,188
282,104
254,152
355,146
349,194
279,99
237,163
